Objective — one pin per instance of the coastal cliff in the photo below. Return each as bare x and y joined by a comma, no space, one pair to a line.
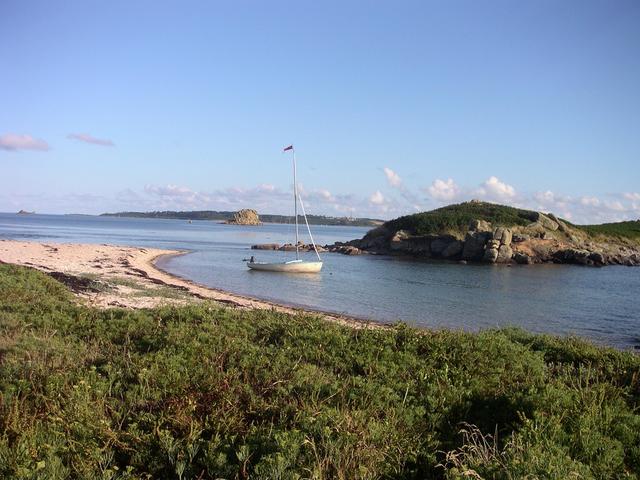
490,233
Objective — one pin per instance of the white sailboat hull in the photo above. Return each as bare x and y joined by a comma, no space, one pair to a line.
295,266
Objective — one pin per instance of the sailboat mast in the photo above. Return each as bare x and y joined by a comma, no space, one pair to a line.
295,200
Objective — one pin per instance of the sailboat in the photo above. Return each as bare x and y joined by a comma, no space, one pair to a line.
298,265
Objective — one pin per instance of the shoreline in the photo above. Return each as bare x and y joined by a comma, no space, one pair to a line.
105,276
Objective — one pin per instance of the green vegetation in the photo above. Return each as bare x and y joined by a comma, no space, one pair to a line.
456,218
206,392
264,217
629,229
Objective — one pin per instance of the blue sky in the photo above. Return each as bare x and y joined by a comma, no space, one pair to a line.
393,106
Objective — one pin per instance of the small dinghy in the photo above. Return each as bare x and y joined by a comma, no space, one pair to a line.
298,265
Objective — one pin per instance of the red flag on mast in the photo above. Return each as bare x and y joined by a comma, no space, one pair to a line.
290,147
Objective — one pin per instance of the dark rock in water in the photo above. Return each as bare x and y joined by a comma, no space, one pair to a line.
344,249
291,247
266,246
573,255
24,212
522,258
597,258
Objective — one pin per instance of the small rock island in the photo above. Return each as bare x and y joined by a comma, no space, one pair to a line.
246,216
490,233
24,212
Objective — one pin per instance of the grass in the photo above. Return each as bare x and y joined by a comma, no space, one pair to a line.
206,392
456,218
625,230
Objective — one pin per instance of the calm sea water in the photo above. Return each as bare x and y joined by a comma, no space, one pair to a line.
602,304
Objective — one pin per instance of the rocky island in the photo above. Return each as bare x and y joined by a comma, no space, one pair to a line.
246,216
490,233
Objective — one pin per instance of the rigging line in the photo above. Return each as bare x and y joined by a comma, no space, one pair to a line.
304,214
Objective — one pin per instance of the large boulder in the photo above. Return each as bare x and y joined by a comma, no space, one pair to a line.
246,216
490,255
504,254
474,244
545,221
477,225
503,235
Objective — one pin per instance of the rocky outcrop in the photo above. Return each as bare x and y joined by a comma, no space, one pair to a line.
245,216
522,258
474,245
498,249
545,222
266,246
453,250
399,241
479,226
546,239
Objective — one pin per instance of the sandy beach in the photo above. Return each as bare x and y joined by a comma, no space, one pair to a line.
106,276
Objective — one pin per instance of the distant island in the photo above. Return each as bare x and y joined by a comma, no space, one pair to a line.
265,218
490,233
24,212
245,216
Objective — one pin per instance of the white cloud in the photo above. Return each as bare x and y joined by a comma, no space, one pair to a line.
633,196
86,138
377,198
545,197
14,141
589,201
495,189
169,190
615,205
444,189
392,177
